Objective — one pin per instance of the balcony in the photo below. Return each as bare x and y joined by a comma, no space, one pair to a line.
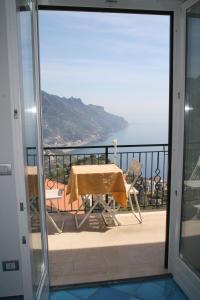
99,251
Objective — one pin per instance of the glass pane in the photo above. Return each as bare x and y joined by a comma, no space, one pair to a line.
190,233
30,139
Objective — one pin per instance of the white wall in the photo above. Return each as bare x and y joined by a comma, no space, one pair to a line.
10,282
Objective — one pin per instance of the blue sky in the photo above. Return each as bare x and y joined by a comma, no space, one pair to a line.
119,61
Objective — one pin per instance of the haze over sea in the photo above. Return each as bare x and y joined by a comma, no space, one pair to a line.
138,134
134,134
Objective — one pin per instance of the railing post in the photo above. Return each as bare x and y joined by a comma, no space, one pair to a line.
106,154
106,161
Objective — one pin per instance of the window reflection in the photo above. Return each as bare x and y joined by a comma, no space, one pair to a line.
190,233
30,137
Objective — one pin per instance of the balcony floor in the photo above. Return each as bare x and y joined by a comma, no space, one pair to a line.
98,253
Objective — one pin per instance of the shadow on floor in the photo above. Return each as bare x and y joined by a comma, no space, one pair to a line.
95,223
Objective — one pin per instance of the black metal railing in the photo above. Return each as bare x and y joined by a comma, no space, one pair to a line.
152,183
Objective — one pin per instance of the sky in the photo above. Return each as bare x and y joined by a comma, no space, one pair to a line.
119,61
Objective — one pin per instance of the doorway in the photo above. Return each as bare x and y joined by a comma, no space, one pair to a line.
155,156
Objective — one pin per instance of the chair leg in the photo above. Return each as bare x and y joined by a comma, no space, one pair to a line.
110,211
83,203
108,204
139,218
78,225
79,208
54,223
59,213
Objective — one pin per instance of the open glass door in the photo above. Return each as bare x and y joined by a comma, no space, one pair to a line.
30,102
190,231
187,229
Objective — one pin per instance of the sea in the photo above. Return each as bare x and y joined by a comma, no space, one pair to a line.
136,134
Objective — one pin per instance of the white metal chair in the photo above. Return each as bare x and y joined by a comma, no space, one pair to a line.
194,180
194,183
51,195
134,171
98,199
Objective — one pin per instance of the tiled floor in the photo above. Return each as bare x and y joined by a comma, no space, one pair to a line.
157,289
97,252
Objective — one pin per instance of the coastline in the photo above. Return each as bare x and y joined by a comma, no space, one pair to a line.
91,141
130,135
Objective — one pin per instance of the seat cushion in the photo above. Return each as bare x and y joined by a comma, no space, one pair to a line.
132,191
53,193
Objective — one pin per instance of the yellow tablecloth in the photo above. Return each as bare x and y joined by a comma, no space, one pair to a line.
97,179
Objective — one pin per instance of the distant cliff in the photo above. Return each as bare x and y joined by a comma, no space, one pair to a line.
69,122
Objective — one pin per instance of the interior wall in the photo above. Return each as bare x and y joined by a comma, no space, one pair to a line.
10,281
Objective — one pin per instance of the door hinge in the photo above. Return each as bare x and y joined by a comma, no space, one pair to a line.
23,240
16,114
21,206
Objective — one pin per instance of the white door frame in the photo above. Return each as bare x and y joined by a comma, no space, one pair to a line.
17,128
44,283
182,274
185,277
13,60
144,5
176,266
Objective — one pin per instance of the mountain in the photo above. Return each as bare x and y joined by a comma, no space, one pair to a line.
70,122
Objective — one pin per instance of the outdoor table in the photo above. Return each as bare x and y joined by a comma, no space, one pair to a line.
53,194
95,180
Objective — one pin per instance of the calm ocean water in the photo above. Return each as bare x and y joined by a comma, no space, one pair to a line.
132,135
138,134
